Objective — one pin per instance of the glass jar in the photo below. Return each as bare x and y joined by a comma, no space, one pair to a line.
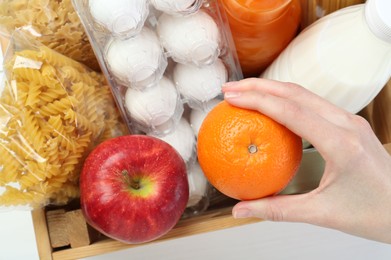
261,30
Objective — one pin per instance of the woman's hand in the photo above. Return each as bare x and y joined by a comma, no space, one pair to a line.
354,195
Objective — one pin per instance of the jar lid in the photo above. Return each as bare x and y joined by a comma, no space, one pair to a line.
377,14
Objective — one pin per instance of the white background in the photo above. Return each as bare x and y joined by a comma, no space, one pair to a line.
263,240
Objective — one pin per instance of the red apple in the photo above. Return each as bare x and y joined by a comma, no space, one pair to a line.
134,188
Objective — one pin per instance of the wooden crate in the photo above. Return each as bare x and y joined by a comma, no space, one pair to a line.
62,232
49,225
95,244
51,222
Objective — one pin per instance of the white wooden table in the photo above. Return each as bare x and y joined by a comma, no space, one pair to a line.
263,240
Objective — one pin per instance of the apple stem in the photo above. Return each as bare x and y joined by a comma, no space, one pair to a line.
134,184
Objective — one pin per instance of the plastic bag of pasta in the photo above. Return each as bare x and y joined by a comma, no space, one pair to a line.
53,111
54,23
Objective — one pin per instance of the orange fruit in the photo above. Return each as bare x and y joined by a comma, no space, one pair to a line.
245,154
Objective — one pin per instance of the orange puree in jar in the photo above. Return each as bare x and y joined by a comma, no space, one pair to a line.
261,29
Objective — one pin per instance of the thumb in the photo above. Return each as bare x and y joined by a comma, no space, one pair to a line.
290,208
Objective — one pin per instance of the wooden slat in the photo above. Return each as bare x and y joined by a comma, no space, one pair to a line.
57,227
41,234
388,147
79,232
211,221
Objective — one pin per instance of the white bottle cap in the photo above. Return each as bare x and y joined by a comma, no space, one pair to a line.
378,16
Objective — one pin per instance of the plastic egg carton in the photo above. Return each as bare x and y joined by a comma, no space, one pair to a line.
147,47
165,61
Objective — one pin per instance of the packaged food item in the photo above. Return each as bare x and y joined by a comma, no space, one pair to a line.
53,23
343,57
171,37
162,62
53,111
261,29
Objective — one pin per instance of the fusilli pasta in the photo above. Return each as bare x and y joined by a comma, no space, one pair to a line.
54,22
49,121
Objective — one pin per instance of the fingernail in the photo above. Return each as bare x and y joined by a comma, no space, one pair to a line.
242,213
231,94
230,83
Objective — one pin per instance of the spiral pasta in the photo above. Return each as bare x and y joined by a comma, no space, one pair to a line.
53,111
56,22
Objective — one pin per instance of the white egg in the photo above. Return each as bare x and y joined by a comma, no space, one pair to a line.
194,38
120,17
198,85
174,7
182,139
137,62
198,184
154,108
197,116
